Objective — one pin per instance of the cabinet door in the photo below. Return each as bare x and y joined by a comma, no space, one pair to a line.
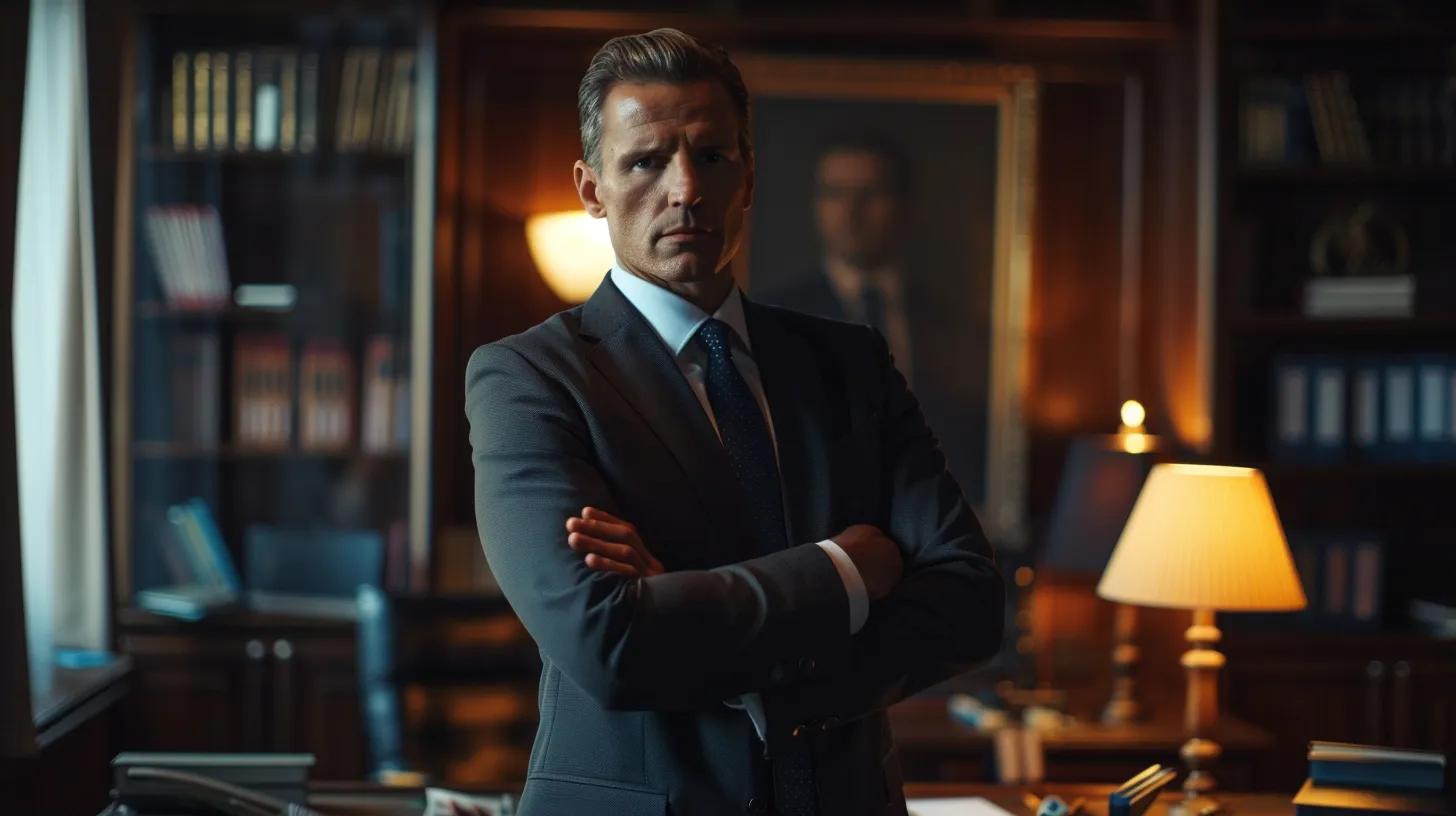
1424,701
315,704
195,694
1300,697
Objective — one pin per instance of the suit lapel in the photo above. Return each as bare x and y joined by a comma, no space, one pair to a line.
792,384
630,356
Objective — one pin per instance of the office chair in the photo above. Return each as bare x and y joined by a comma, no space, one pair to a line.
448,686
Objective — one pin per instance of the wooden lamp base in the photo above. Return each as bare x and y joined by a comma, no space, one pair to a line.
1202,662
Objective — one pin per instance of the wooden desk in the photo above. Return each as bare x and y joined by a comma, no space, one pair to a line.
351,799
1009,798
935,748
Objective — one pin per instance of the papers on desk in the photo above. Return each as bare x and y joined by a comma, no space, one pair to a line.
442,802
960,806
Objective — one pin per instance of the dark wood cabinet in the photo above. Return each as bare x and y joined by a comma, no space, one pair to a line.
1387,690
246,682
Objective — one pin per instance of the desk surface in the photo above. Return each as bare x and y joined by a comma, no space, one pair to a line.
925,723
355,799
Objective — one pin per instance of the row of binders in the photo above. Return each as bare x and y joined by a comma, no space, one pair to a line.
1350,780
1398,408
272,100
337,400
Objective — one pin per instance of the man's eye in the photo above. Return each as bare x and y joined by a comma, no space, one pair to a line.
712,157
644,163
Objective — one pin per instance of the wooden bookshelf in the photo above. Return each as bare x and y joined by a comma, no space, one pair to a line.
1362,680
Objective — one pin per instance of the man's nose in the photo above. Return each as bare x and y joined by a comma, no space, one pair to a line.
684,185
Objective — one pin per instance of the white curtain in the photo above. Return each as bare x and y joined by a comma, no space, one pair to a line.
57,366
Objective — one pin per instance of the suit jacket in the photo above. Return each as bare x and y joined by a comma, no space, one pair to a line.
950,361
589,408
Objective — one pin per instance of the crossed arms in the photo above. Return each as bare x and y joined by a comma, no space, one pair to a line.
636,637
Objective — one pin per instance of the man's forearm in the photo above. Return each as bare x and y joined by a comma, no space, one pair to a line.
939,623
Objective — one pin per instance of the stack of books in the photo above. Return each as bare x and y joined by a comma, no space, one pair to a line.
1346,780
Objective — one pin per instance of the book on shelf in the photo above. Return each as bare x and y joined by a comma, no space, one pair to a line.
1383,296
204,577
1434,616
1359,766
262,391
376,92
189,254
263,100
184,601
196,370
326,397
384,424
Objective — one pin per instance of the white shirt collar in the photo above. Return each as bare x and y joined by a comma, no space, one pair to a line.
675,318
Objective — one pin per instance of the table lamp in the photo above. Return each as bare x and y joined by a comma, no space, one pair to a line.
1205,538
1100,482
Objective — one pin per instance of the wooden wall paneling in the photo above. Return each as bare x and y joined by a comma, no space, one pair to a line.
1071,383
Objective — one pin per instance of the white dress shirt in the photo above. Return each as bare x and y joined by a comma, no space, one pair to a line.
676,320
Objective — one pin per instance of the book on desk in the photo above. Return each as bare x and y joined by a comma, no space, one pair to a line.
1347,780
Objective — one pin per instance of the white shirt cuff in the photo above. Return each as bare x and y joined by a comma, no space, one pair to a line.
859,598
753,704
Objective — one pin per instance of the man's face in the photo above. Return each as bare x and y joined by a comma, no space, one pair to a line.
673,183
857,208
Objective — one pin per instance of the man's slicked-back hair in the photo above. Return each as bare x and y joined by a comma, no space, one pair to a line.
664,55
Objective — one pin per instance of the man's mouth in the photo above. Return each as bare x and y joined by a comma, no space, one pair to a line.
685,233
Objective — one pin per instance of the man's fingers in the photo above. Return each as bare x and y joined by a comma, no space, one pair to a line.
611,531
600,514
597,562
584,543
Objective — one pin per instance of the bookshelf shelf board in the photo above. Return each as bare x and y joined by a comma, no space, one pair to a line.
1436,178
161,311
1297,326
173,450
1354,32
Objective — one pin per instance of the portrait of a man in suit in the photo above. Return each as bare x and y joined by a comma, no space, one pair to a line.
727,525
873,267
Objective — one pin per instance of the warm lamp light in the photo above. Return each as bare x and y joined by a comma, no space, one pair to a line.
572,251
1101,480
1204,538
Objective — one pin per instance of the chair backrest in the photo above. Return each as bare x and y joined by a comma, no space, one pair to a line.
448,687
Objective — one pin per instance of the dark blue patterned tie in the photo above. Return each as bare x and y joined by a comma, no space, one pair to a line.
745,434
750,449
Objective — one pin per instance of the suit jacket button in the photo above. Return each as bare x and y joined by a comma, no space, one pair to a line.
829,723
776,674
799,731
806,665
757,806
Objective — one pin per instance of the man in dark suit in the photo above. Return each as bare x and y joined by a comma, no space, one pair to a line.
862,197
726,525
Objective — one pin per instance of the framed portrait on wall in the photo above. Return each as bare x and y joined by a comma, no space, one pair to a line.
899,194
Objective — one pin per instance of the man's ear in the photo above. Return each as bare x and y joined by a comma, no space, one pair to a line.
586,189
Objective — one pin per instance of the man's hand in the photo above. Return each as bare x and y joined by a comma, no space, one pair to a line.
876,557
610,544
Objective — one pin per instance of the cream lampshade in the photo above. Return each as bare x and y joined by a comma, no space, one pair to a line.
1205,538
